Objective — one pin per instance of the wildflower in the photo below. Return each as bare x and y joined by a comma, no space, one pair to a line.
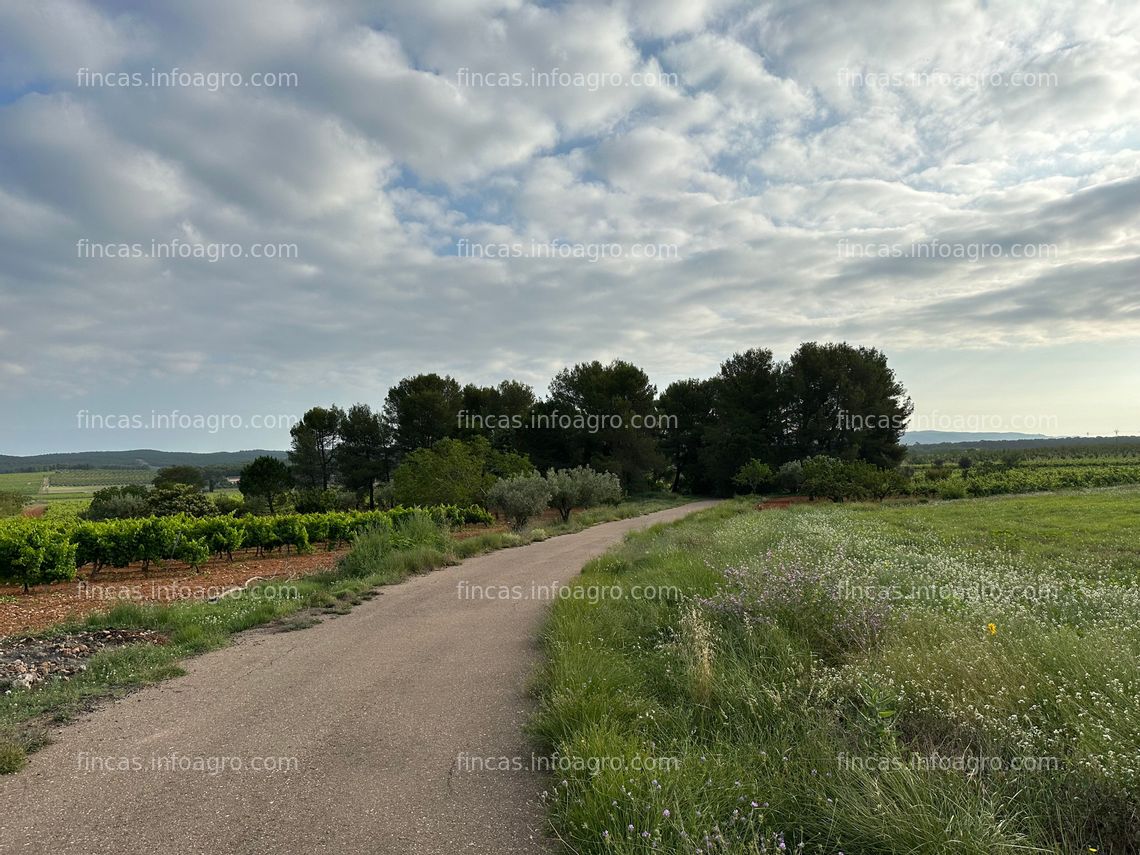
991,628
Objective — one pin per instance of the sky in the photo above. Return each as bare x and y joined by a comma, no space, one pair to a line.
215,215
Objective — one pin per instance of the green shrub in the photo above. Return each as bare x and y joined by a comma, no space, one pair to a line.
581,487
754,474
419,529
952,489
520,497
369,547
790,477
116,503
450,472
228,503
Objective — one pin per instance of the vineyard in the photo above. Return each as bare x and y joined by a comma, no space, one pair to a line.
1035,475
34,551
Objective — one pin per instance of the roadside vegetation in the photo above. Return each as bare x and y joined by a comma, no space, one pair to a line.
955,677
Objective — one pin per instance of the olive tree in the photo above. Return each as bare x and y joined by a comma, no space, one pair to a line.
581,487
520,497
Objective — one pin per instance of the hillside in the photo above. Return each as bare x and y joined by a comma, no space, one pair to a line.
142,458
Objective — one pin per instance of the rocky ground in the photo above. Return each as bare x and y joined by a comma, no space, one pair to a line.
24,662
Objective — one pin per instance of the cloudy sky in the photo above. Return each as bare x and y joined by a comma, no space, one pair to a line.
957,183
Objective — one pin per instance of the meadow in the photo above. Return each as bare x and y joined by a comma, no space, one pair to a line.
952,677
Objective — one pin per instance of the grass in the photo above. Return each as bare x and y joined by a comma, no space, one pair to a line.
837,677
380,557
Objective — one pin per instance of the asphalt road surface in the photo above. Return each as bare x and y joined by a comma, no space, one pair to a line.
396,728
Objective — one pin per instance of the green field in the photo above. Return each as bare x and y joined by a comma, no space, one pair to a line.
956,677
67,487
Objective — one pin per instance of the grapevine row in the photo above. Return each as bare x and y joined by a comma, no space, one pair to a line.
36,550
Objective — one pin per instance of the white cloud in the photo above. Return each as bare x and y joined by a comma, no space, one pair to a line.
756,162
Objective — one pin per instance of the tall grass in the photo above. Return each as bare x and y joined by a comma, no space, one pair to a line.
757,708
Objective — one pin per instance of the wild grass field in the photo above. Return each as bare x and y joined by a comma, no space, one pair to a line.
953,677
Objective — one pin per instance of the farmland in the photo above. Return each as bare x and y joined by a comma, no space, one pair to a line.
38,551
50,486
955,677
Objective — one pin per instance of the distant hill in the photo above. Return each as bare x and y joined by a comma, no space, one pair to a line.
1083,445
930,437
143,458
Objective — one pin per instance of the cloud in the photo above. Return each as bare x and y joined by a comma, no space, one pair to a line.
752,141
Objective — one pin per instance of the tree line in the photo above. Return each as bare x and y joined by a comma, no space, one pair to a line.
695,436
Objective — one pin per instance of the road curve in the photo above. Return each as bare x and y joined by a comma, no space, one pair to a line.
375,732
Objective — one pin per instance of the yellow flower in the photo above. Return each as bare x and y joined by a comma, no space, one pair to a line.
991,628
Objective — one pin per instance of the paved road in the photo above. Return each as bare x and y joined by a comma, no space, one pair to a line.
376,717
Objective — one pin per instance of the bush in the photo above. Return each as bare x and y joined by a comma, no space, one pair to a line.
754,474
451,472
952,490
849,479
790,477
520,497
581,487
368,549
117,503
180,499
419,529
228,503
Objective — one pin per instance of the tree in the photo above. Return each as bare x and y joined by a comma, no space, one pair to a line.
748,419
112,503
227,503
520,497
314,444
688,409
177,476
451,472
790,476
267,478
753,475
845,402
499,413
216,475
180,499
422,410
364,455
605,408
581,487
